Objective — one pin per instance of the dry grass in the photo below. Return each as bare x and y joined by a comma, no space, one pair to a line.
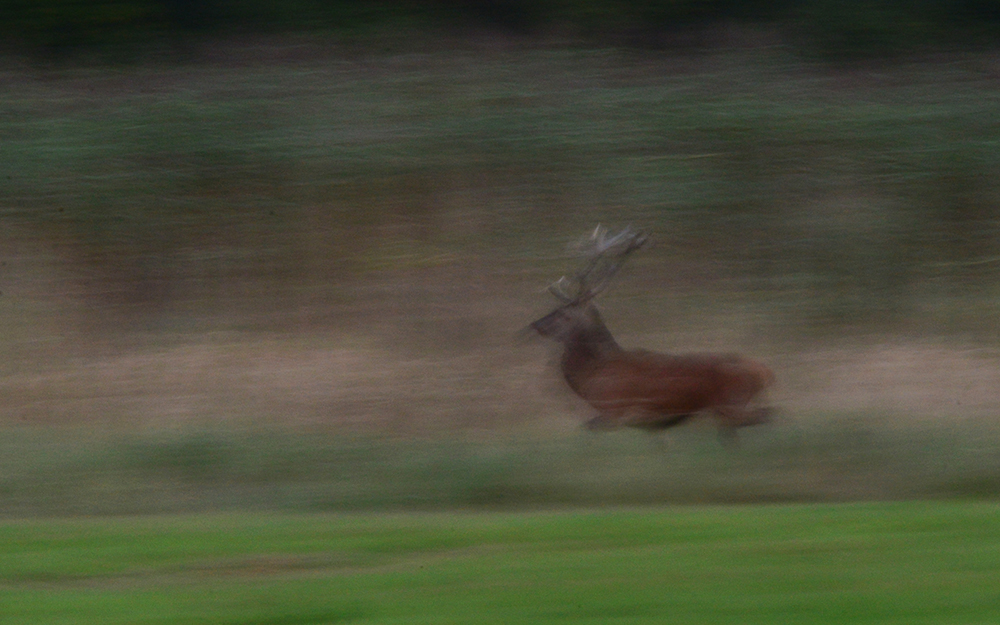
319,262
311,421
387,378
417,390
916,381
432,349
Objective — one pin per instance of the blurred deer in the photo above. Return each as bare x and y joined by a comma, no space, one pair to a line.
638,388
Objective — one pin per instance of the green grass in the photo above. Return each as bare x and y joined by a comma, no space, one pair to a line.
870,563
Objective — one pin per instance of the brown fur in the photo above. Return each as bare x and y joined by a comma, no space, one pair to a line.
642,389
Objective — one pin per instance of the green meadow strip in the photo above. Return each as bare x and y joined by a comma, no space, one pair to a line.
855,563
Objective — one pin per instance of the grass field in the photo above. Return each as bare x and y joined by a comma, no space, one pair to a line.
271,300
259,353
291,274
861,563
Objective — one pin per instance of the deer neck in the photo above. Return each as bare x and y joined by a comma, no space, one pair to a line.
586,348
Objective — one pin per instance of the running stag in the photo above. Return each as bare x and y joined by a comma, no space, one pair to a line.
638,388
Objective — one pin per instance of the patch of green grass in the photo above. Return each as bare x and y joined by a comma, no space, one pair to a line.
870,563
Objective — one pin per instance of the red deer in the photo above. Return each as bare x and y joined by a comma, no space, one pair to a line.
638,388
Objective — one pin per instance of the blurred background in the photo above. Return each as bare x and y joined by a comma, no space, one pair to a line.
279,255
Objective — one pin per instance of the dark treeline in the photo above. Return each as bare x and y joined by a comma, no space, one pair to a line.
832,29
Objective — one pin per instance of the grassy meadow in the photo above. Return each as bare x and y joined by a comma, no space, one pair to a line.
856,563
292,274
262,356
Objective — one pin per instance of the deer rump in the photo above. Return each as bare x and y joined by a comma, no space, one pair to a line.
654,391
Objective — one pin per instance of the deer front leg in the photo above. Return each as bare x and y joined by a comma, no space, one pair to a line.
761,415
601,422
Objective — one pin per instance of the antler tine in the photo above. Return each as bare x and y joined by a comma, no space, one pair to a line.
635,241
556,289
603,243
605,257
594,278
598,237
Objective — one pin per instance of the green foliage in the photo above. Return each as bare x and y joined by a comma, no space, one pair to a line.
848,30
194,457
855,30
844,204
68,24
873,563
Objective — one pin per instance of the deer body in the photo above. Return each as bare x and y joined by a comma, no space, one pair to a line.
648,390
638,388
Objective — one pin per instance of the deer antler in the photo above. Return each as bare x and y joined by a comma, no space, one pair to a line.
606,255
556,288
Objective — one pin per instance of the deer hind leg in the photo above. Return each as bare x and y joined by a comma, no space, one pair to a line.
600,422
